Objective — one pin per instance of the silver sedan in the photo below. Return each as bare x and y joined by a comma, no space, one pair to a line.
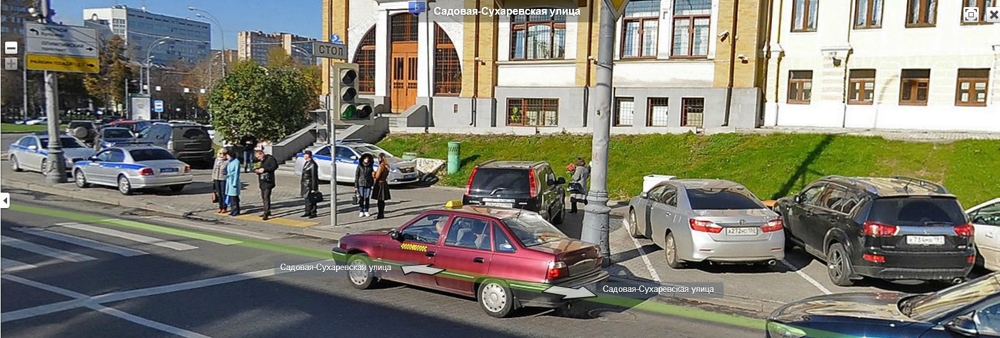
696,220
30,152
133,167
348,155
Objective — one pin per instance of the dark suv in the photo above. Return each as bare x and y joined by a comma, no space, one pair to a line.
518,184
188,142
897,228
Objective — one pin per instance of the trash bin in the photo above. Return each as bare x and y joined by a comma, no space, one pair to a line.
409,156
454,148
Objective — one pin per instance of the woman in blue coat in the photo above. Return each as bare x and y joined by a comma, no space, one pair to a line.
233,184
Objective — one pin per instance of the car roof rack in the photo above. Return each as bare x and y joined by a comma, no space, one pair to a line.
922,183
856,182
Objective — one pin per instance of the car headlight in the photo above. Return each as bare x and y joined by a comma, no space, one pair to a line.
394,170
779,330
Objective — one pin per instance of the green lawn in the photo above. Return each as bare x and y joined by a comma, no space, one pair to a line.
21,128
771,165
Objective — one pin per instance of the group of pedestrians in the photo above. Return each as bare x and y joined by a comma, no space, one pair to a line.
371,183
227,182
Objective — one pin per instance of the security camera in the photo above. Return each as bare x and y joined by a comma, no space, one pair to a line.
724,34
742,57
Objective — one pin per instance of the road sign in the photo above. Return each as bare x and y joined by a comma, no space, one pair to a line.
993,14
10,63
10,47
158,106
329,50
60,40
56,63
970,14
617,7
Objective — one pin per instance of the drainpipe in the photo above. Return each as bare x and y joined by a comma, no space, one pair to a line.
847,56
475,72
732,61
431,44
777,64
590,43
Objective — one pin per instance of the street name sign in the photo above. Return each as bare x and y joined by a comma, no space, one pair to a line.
58,63
329,50
61,48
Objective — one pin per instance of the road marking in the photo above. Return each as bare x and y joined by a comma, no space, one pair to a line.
642,253
806,277
84,242
10,265
129,236
278,221
146,322
44,250
171,231
214,228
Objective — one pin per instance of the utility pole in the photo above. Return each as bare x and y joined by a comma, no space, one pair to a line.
596,220
24,86
56,170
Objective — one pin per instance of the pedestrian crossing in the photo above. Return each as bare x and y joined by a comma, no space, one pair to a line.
65,243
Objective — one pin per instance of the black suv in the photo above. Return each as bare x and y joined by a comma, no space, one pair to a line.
897,228
188,142
518,184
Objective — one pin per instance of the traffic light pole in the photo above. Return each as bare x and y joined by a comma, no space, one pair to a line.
331,138
56,170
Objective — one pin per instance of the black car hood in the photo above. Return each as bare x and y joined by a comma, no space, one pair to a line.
880,306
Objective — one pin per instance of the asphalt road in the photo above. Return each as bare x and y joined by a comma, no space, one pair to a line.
76,269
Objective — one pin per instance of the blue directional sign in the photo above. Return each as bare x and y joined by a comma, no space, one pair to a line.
158,106
335,39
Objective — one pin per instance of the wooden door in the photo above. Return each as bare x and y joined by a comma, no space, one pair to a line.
404,76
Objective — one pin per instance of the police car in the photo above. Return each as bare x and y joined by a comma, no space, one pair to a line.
30,152
348,154
133,166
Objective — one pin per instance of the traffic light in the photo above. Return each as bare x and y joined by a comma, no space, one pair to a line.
347,105
133,86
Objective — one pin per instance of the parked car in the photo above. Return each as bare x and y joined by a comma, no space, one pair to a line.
986,219
211,131
86,131
133,167
897,228
30,152
494,255
518,184
966,310
189,143
348,154
135,126
37,121
109,136
697,220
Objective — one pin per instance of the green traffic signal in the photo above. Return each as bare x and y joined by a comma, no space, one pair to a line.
348,111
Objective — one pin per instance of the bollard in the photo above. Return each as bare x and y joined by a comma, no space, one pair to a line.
453,157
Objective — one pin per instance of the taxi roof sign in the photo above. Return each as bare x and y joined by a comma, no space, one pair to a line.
453,204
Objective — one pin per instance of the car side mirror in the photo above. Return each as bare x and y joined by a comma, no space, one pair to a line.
354,158
396,235
94,158
138,136
561,180
506,247
797,198
644,195
963,326
32,147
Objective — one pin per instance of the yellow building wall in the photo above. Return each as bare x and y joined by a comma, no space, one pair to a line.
749,41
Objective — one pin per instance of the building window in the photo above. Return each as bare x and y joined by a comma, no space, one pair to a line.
538,37
365,58
656,115
804,14
913,87
624,111
982,5
693,112
533,112
404,28
641,23
921,13
972,87
691,28
447,67
868,14
800,86
862,86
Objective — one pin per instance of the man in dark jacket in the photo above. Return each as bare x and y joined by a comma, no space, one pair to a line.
265,175
310,183
248,142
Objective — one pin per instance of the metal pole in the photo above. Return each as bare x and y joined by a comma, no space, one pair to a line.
596,219
331,138
127,113
56,171
24,85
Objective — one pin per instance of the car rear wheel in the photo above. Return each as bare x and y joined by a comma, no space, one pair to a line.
13,163
670,250
839,265
495,298
177,187
81,181
124,186
360,274
633,225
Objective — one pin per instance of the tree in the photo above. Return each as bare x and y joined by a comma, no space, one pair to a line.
277,58
108,85
267,103
204,75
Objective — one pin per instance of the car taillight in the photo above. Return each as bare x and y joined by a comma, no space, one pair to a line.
532,183
773,225
557,270
187,169
468,184
971,259
874,258
879,230
965,230
146,172
705,226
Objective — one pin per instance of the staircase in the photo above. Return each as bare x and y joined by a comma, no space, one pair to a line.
288,167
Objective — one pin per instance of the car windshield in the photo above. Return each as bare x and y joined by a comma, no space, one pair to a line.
918,211
532,229
928,307
139,155
723,199
66,142
117,133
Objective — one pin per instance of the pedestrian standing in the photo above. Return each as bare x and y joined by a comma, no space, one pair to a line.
249,142
381,189
364,179
578,184
233,184
310,183
265,176
219,180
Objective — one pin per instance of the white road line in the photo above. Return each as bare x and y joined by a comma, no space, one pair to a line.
10,265
642,253
84,242
129,236
806,277
146,322
211,228
46,287
44,250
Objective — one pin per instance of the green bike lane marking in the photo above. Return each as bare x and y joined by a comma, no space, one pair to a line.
655,307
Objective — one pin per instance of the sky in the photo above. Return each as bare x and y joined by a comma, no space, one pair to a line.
300,17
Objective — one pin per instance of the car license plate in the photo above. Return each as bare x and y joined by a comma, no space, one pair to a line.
409,176
925,240
500,205
741,231
168,170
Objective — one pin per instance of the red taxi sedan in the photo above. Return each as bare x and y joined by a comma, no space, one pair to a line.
505,258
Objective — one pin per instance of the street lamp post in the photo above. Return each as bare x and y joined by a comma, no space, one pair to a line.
149,56
55,170
222,33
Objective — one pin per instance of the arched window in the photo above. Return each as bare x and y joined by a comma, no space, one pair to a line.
447,67
365,58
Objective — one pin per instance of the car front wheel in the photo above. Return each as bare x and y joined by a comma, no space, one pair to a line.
360,274
81,181
14,165
495,298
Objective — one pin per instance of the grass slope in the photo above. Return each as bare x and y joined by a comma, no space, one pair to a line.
770,165
21,128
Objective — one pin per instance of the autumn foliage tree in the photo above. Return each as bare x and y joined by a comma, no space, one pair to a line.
109,84
312,74
267,103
